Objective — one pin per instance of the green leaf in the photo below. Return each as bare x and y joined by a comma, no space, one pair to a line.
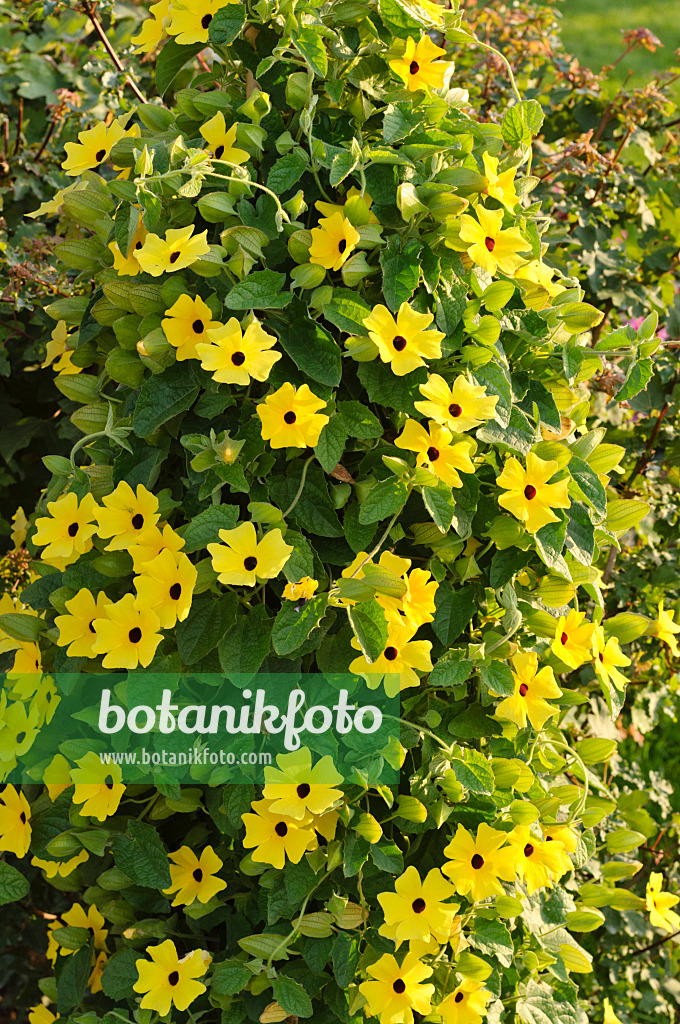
496,380
401,271
550,543
293,624
310,45
454,610
140,854
638,377
229,977
580,539
451,305
465,504
505,564
127,220
291,996
204,627
624,513
493,939
331,444
383,500
314,512
514,130
346,311
498,678
359,421
22,627
539,396
246,644
475,774
450,670
385,388
343,164
287,171
163,396
13,885
72,974
226,24
370,628
311,348
384,581
301,561
402,24
120,974
345,957
589,484
170,62
204,528
441,505
260,290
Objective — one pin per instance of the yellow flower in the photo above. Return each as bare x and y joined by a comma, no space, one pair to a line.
19,528
290,417
151,543
92,148
573,643
190,21
77,630
27,661
234,356
417,604
186,324
538,863
241,560
303,590
608,658
296,790
57,352
275,837
666,627
416,911
95,980
92,920
435,451
54,868
530,497
419,67
41,1015
97,786
19,726
500,186
475,865
434,10
153,29
9,605
538,285
57,776
659,905
194,878
67,531
397,989
179,249
333,241
221,140
126,515
531,689
461,407
15,817
128,266
128,634
404,343
609,1015
564,834
489,246
395,667
328,209
466,1004
167,586
168,980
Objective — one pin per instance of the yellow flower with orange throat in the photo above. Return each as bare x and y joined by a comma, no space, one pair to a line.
405,342
419,67
333,241
530,497
435,451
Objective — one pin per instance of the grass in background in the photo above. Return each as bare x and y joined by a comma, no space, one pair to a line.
591,29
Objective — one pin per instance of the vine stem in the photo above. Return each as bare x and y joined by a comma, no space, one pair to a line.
425,732
300,488
492,49
90,9
384,535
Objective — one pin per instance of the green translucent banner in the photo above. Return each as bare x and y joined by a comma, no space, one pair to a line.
165,728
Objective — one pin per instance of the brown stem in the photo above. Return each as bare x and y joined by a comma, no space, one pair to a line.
48,135
652,945
90,12
646,456
20,124
613,160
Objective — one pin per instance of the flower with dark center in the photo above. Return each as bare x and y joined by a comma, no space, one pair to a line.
490,243
73,529
418,905
399,986
564,638
238,358
174,256
458,998
289,417
205,20
198,326
250,563
135,635
99,156
281,829
22,817
529,492
433,454
219,152
138,521
523,690
391,653
173,978
108,782
414,67
455,410
176,591
342,245
477,861
303,790
399,343
528,850
198,875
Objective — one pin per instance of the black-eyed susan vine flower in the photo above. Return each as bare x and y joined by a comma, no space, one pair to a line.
19,726
41,1014
665,628
166,587
659,904
397,989
177,250
98,787
128,265
396,666
275,837
92,920
154,27
194,878
62,869
530,497
242,559
460,406
295,789
467,1004
221,140
565,834
125,515
608,658
168,980
333,241
76,629
290,417
538,863
15,822
303,590
435,451
127,633
533,689
573,642
57,353
67,532
151,542
27,660
190,22
416,911
186,324
538,287
609,1015
417,604
419,67
235,356
476,864
405,342
92,148
491,247
500,186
